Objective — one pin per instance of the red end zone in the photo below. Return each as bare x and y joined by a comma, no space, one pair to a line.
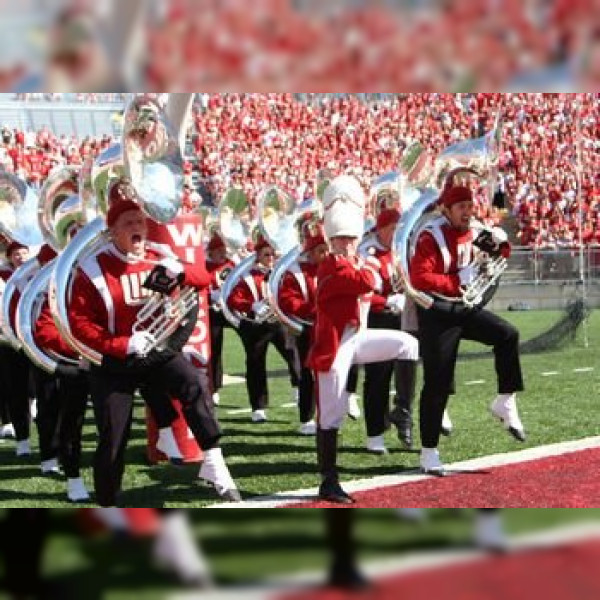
565,481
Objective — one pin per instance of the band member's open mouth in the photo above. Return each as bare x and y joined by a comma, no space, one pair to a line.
136,239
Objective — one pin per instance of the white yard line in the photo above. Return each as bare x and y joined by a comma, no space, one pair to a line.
583,370
405,564
239,411
475,382
549,373
232,380
282,499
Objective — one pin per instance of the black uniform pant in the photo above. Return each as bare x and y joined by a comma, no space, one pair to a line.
74,395
49,405
306,404
440,332
340,538
378,377
376,387
256,339
14,381
112,396
62,401
5,417
22,545
217,329
160,405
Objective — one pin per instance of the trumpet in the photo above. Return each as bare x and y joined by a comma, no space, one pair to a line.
163,314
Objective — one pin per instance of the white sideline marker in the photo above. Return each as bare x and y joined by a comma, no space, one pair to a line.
550,373
285,498
583,370
475,382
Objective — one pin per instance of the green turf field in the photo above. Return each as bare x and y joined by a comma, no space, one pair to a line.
559,404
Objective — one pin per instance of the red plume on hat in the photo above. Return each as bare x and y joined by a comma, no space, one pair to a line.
452,194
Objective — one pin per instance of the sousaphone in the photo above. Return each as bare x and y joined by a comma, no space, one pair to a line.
424,179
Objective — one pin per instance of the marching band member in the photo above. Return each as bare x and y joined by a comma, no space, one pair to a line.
107,297
61,414
385,313
218,266
442,264
341,339
259,330
297,298
14,364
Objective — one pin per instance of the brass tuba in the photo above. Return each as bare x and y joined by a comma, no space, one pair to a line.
237,225
18,222
149,158
281,226
423,181
61,214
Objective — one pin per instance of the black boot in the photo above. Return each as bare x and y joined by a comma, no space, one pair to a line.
402,421
344,571
405,376
330,489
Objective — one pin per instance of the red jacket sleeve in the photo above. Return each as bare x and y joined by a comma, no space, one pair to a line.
241,298
89,320
378,303
292,300
196,276
427,269
348,280
47,336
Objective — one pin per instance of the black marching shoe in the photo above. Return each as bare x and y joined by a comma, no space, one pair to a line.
405,435
331,491
402,421
347,577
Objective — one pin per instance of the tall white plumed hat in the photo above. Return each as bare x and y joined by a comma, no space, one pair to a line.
344,208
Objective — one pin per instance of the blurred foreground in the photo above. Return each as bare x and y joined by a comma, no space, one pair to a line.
273,553
282,45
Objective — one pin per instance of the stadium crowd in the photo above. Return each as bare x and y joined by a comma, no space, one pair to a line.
364,45
305,44
251,140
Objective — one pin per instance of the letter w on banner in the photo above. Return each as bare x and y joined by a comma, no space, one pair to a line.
184,236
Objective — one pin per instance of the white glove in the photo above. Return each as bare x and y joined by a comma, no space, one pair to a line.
467,275
173,266
499,236
261,309
140,343
396,303
215,296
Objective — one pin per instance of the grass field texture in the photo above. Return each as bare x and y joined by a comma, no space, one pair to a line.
560,403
